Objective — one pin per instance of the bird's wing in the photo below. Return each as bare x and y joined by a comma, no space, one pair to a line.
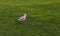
21,18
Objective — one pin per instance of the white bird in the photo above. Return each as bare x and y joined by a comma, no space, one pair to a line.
22,18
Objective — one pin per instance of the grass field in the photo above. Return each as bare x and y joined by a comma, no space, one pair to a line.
43,17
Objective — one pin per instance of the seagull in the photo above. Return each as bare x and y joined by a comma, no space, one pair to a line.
22,18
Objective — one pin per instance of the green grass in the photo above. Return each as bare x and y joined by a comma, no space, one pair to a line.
43,17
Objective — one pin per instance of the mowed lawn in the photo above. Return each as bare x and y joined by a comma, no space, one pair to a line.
43,17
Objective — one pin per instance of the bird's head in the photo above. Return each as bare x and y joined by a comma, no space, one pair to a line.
25,14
